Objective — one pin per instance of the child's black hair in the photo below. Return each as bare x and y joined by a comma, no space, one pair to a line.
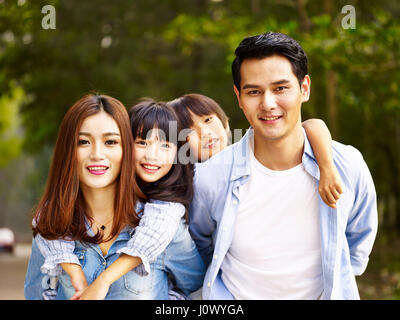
177,184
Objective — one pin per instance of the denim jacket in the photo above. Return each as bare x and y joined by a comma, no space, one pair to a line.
347,232
180,259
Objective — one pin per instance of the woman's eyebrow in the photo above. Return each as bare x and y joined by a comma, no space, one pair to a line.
104,134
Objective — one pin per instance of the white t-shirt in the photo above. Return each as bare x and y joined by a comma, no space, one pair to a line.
275,252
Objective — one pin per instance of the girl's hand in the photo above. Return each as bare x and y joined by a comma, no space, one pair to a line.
77,276
96,291
330,185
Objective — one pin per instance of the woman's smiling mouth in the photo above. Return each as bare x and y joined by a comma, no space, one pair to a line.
97,170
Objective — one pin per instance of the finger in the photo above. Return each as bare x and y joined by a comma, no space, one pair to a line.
331,199
335,194
75,297
326,200
338,187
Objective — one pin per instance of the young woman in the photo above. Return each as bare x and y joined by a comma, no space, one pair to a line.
211,134
88,211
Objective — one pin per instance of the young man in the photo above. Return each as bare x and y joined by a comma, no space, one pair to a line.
256,217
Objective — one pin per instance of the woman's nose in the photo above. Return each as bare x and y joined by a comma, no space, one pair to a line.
97,152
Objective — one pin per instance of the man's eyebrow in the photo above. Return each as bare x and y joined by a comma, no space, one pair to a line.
104,134
282,81
247,86
256,86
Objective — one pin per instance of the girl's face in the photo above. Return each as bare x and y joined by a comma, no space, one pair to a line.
154,157
99,151
208,136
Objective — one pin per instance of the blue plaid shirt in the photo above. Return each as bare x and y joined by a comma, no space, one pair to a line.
347,232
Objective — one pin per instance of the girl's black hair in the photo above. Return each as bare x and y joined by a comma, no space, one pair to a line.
177,184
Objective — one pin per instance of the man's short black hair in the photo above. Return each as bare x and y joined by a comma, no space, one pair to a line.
268,44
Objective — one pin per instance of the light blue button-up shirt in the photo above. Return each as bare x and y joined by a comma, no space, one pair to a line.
347,232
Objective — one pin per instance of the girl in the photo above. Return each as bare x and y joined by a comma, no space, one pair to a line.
90,200
211,134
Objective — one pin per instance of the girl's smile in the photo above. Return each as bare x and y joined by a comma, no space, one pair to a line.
154,157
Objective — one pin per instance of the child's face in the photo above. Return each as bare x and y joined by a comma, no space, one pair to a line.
208,136
99,151
153,157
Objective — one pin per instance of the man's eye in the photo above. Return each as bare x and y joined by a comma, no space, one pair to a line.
165,145
281,88
253,92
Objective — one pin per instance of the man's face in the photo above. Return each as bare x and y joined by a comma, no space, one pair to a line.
270,96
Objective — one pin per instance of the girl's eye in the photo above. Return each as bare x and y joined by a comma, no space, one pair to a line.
165,145
208,119
82,142
141,142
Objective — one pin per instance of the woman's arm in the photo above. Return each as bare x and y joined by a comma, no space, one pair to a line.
330,186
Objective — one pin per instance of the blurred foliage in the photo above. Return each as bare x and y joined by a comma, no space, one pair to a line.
163,49
11,138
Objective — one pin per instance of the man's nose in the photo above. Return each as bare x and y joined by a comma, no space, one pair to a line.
269,101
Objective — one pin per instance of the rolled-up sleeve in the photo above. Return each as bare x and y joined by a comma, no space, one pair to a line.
157,227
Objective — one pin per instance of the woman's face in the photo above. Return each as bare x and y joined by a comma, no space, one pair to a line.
208,136
154,157
99,151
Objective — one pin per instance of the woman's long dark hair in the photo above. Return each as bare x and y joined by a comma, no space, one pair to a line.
177,184
62,210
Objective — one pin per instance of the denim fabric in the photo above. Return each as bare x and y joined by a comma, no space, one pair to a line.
181,259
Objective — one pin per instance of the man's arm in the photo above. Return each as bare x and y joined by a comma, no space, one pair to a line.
363,219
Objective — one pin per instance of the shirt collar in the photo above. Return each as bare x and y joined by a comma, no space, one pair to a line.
241,156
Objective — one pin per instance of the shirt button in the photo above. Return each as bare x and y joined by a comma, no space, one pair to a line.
224,228
209,284
215,257
235,202
104,263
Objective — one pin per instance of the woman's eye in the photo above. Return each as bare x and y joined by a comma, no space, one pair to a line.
111,142
165,145
208,119
82,142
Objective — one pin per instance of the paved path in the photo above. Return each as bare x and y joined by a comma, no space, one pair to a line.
12,272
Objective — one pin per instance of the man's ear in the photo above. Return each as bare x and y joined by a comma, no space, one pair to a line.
237,95
305,88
